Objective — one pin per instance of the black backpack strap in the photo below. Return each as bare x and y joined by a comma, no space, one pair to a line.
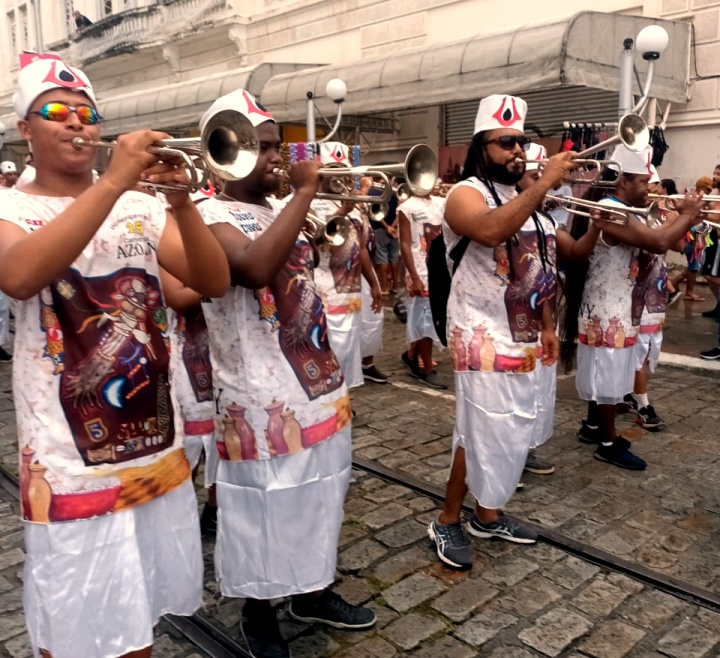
458,251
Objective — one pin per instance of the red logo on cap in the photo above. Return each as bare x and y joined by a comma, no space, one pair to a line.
649,164
338,154
66,78
505,116
253,107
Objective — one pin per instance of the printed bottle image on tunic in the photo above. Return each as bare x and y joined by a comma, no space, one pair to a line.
344,262
196,354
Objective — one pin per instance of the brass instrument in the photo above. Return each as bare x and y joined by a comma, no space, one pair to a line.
333,231
419,170
613,165
228,147
672,201
402,191
618,214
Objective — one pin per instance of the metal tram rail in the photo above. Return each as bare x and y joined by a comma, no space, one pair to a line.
216,643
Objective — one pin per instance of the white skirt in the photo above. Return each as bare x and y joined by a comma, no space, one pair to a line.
279,520
604,374
495,422
648,348
344,336
96,587
546,393
419,320
371,328
195,445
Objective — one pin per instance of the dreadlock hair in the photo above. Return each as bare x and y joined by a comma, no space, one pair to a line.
576,275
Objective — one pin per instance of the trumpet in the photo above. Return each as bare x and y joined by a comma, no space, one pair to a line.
612,165
402,191
672,201
332,231
419,170
228,147
618,214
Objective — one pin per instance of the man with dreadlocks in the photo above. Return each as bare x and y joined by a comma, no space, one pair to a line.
495,324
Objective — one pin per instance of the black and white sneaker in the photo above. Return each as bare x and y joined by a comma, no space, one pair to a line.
631,402
588,433
332,610
262,636
618,454
649,419
504,528
372,374
535,465
711,355
451,545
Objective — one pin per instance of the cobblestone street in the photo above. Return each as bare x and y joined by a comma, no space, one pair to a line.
517,601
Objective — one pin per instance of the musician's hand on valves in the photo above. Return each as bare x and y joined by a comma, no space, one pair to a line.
599,219
558,167
304,175
690,208
131,158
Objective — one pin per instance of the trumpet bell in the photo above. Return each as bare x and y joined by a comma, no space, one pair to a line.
421,169
633,132
229,144
333,232
403,192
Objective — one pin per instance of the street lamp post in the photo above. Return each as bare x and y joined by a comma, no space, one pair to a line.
335,90
651,42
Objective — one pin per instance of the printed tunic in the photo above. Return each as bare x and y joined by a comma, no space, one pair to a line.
277,382
96,425
425,217
494,320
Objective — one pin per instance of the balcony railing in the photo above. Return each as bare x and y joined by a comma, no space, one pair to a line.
134,29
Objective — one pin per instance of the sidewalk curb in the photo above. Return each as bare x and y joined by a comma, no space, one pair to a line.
684,362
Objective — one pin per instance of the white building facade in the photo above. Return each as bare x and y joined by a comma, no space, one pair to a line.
415,69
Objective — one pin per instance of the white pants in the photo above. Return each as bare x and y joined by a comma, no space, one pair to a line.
371,331
605,374
546,395
195,444
344,336
648,347
279,520
95,588
496,423
419,320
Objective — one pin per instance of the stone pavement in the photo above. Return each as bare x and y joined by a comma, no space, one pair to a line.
517,601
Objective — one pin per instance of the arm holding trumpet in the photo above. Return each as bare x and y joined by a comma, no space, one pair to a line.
657,241
467,212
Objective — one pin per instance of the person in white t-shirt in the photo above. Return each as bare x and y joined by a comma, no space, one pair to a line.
558,212
284,433
110,516
604,306
420,222
495,326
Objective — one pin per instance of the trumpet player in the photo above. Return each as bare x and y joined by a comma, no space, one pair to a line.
82,257
340,270
420,222
284,432
605,303
494,325
560,246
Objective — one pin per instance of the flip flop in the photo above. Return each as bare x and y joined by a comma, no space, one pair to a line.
694,298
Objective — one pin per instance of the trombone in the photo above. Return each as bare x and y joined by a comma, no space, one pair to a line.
612,165
419,170
618,214
672,201
228,147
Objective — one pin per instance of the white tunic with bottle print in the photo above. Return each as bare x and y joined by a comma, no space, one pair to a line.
493,319
96,426
277,383
653,278
425,217
612,301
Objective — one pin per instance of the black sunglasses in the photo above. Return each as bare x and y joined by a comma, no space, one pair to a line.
508,142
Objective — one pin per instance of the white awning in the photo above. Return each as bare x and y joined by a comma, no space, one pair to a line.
582,50
171,106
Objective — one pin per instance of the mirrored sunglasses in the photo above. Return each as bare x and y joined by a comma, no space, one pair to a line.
87,115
